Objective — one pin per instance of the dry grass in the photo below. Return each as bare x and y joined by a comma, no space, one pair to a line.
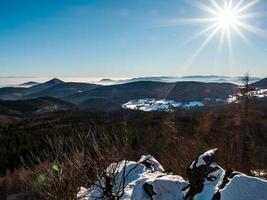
72,165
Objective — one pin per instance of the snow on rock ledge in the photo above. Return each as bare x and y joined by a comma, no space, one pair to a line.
208,181
142,180
238,186
203,174
146,180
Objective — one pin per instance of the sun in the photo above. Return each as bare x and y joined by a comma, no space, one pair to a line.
224,18
227,18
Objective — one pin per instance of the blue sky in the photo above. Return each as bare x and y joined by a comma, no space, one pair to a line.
117,38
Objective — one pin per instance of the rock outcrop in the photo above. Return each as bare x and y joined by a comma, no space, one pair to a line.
146,180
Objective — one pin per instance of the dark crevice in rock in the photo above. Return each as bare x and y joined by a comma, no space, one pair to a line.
149,190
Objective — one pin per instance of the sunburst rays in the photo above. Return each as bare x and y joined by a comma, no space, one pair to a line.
225,17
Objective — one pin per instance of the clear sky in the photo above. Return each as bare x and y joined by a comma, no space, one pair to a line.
119,38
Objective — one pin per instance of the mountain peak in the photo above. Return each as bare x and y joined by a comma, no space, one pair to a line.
55,81
45,85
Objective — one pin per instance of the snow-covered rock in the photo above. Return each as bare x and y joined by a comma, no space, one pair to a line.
208,181
203,174
151,163
241,187
141,180
261,173
146,180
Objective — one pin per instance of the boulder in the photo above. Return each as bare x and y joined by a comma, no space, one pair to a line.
146,179
141,180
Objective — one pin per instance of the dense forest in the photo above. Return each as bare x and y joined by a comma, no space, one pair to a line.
77,143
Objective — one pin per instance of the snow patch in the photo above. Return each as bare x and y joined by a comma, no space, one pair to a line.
256,93
151,104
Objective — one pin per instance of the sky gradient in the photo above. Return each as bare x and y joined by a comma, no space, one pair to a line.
117,38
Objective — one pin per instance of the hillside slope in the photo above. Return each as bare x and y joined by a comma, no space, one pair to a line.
53,88
16,93
115,95
260,84
63,89
34,106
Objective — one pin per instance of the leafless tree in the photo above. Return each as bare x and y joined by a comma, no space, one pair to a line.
245,90
245,93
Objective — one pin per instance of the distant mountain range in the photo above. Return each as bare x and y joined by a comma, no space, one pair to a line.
29,84
171,79
111,97
53,88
